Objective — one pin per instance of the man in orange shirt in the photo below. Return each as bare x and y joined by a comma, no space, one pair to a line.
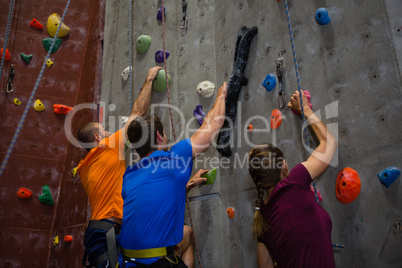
101,173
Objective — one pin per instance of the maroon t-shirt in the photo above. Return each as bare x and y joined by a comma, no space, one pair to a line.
299,232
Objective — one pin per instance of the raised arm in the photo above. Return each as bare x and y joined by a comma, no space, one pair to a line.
264,259
322,155
213,122
143,100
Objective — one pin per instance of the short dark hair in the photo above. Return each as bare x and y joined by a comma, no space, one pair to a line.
86,135
142,133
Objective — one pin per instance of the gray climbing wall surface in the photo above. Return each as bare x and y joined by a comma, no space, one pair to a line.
352,68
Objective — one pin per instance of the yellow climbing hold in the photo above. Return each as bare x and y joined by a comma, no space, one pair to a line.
74,172
53,23
17,101
49,63
38,106
56,240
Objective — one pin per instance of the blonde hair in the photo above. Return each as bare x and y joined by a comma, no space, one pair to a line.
264,166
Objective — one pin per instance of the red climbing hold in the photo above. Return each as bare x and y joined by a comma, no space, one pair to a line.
276,119
61,109
7,57
230,212
68,238
348,185
250,128
36,24
24,193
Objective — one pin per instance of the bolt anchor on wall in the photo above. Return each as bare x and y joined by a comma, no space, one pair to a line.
183,24
9,88
280,65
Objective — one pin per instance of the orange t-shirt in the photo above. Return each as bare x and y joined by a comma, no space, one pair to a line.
101,173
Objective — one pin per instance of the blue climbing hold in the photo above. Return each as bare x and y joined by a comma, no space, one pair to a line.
159,56
388,176
322,16
270,82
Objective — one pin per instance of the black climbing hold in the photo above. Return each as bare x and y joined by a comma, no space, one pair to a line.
236,81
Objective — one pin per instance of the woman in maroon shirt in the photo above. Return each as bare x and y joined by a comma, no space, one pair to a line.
291,228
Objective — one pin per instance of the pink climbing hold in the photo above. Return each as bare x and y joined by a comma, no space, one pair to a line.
308,96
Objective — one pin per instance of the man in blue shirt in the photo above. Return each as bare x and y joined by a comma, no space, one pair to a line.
154,190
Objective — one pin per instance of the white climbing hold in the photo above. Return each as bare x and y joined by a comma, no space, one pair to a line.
124,119
125,73
206,89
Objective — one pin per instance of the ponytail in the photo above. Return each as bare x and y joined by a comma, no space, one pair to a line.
259,225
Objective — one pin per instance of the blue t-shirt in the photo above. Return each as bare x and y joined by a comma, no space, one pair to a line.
154,194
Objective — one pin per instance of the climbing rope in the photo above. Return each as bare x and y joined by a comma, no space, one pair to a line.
21,123
171,121
130,51
299,88
165,66
9,18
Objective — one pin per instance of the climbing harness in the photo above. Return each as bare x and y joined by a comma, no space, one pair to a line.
9,18
24,115
280,65
299,88
183,24
184,6
9,88
112,250
147,253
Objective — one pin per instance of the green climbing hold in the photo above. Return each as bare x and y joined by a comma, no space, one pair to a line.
46,197
210,175
47,42
159,84
143,43
26,58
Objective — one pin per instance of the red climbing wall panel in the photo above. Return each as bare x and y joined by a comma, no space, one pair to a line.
43,155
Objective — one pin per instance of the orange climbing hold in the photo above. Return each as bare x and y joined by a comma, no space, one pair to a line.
36,24
276,119
348,185
68,238
61,109
24,193
7,57
250,128
230,212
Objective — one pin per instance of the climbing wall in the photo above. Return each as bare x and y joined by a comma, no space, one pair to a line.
351,67
42,154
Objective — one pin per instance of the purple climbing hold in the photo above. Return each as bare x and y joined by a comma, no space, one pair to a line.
199,114
159,56
159,14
